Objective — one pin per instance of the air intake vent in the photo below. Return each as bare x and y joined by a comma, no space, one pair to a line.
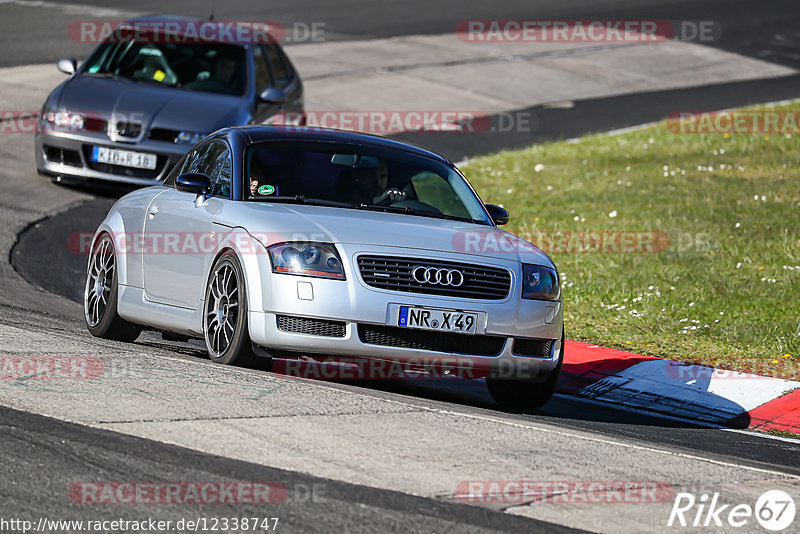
390,336
128,129
313,327
535,348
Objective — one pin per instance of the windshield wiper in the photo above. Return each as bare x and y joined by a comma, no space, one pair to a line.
414,211
302,199
108,75
381,207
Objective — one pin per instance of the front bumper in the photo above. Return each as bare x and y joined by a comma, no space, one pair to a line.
514,335
67,155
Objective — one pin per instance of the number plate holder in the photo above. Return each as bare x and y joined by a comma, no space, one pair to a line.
124,158
438,319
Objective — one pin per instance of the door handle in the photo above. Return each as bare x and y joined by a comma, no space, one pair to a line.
152,211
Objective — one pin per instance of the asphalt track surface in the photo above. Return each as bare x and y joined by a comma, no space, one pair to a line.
750,27
64,272
50,455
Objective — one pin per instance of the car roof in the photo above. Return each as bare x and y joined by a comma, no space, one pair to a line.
259,133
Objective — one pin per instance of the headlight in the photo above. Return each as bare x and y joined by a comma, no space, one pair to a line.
539,283
189,137
306,259
64,120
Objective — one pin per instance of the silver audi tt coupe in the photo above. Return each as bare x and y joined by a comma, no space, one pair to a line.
140,101
305,243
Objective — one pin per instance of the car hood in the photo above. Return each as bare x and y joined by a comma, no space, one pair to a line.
151,105
275,223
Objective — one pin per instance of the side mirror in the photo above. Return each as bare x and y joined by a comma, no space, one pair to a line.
67,65
273,95
193,182
498,214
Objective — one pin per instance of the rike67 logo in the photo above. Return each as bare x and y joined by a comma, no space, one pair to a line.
774,510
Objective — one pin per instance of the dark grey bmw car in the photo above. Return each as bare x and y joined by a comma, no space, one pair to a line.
137,105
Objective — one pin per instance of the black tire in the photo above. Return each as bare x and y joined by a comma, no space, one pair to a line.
526,394
225,331
100,295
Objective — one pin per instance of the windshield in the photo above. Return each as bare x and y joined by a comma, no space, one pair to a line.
210,67
340,175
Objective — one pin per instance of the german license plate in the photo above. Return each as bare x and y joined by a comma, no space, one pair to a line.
125,158
437,319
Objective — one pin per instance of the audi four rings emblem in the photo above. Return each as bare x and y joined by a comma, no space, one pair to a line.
433,275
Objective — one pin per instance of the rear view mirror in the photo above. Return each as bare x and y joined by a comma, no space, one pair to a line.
193,182
273,96
67,65
499,215
344,160
355,160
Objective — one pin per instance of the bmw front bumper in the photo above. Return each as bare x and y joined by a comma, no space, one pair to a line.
67,156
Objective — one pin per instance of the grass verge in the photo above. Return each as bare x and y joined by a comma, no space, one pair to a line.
719,284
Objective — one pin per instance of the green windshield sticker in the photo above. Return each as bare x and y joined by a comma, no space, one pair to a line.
266,190
94,68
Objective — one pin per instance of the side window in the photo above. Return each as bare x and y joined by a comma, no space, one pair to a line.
204,159
280,69
212,159
222,182
183,165
263,75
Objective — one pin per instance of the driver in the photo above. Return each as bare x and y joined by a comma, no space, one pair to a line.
223,77
370,186
258,177
224,68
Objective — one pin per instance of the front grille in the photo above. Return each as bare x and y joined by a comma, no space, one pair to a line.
120,170
314,327
485,283
62,155
535,348
392,336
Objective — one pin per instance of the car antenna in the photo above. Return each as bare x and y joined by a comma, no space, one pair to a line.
211,16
